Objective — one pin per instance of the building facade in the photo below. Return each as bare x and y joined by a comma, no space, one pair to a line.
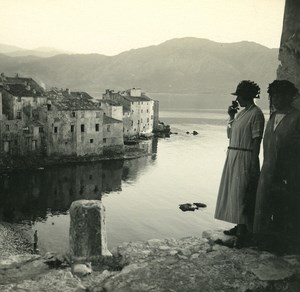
138,111
72,127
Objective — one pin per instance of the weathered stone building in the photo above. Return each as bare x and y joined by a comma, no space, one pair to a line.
20,133
72,127
112,108
138,111
54,123
112,135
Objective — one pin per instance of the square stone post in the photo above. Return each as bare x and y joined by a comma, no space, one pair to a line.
87,229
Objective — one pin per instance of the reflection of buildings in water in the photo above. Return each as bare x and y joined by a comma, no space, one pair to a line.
29,196
32,195
134,167
154,147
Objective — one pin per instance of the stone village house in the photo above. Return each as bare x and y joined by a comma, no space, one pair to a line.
140,113
77,126
20,134
53,124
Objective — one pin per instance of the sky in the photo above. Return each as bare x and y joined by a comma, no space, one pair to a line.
110,27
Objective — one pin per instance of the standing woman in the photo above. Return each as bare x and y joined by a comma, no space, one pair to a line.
277,210
236,198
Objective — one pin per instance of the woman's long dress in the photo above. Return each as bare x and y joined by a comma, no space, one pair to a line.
277,209
231,202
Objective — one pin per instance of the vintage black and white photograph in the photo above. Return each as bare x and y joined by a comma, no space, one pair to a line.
150,145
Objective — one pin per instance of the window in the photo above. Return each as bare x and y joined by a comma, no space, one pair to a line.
104,140
131,123
82,114
55,129
7,127
73,114
152,117
91,141
108,128
97,127
147,120
147,111
141,110
141,121
97,114
82,128
19,117
72,128
41,130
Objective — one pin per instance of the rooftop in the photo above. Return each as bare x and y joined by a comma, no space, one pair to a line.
109,120
110,102
75,104
21,90
6,80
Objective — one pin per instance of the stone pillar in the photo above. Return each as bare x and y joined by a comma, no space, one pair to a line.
87,229
289,53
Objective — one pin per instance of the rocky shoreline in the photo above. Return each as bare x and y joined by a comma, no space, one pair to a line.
187,264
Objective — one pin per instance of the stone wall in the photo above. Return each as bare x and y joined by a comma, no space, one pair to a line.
289,53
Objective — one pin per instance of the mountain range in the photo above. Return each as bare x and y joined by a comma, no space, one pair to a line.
185,66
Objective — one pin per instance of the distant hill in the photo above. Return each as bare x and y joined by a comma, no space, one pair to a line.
43,52
185,66
8,49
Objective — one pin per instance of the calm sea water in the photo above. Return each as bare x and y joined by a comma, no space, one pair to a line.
141,196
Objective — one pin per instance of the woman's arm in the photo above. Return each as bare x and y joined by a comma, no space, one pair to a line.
254,169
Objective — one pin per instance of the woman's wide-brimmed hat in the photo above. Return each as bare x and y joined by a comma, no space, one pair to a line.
247,88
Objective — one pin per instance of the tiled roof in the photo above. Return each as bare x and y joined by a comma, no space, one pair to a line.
75,104
23,80
136,98
20,90
77,94
109,120
110,102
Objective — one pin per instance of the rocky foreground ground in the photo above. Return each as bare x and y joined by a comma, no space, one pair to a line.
188,264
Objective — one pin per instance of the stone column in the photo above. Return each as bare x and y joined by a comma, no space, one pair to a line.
289,53
87,229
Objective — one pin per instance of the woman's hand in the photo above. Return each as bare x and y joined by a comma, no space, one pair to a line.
231,112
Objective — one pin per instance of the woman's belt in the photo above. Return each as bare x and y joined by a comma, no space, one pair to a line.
238,148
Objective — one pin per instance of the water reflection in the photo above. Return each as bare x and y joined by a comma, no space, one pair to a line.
33,195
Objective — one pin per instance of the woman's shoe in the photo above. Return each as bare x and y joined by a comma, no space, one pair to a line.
232,231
